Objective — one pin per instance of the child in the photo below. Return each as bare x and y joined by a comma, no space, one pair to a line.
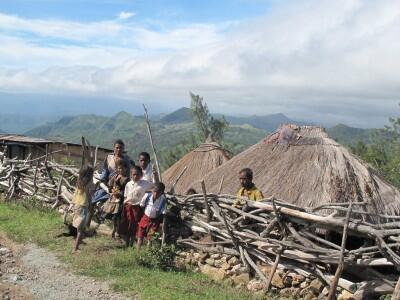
132,212
155,207
116,184
81,203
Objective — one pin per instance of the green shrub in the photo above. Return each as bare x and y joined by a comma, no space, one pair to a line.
162,258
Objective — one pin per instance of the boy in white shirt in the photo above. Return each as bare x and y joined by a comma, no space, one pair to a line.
132,212
155,207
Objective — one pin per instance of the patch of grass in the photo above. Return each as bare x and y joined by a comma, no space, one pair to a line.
107,259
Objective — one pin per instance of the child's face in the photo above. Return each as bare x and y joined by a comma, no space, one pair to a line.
120,170
135,175
156,194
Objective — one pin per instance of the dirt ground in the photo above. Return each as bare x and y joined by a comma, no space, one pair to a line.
30,272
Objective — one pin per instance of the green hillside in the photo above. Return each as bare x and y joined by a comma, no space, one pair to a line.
347,135
168,136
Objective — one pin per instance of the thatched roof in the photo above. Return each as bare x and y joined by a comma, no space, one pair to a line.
303,166
199,162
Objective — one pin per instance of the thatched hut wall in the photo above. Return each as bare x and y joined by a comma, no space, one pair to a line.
199,162
303,166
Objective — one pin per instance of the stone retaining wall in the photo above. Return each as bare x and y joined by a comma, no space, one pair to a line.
229,269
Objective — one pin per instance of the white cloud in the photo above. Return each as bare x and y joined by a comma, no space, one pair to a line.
124,15
321,60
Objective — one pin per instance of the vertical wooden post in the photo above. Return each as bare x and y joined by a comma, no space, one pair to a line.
203,188
338,273
146,116
220,185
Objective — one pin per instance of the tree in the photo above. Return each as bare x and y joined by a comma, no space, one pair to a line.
208,126
384,151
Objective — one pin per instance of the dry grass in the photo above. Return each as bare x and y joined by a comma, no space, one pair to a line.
199,162
303,166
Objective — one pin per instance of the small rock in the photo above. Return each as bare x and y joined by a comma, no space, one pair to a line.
182,253
255,285
224,258
346,295
289,292
203,257
241,279
17,278
316,285
216,256
218,263
297,279
233,261
287,281
277,281
188,260
310,297
225,266
4,250
196,256
214,273
303,285
210,261
309,292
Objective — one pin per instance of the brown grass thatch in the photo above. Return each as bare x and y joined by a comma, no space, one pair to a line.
199,162
303,166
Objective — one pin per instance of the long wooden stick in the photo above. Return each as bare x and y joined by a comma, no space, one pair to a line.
203,188
339,270
396,293
177,179
275,265
146,117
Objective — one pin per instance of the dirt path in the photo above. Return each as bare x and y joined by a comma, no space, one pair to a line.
30,272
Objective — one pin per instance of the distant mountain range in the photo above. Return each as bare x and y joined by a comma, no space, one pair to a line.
19,123
173,129
167,132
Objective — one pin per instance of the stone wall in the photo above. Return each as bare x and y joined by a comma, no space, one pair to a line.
229,269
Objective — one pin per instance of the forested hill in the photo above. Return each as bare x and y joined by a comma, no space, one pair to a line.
168,136
174,133
347,135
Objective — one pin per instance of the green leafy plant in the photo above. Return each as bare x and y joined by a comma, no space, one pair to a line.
162,258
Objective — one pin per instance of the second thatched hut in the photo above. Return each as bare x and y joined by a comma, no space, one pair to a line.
199,162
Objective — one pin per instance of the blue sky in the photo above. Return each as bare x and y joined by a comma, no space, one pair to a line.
321,60
167,11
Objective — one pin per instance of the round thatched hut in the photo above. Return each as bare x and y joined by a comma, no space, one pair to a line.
199,162
303,166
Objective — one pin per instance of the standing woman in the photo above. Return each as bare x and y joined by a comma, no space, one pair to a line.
109,171
81,201
110,163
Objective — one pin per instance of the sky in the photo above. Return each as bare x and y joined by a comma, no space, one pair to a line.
325,61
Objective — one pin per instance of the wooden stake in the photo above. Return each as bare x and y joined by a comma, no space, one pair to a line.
338,273
220,185
203,188
151,142
177,179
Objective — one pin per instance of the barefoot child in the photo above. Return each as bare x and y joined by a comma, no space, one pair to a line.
132,212
155,207
81,203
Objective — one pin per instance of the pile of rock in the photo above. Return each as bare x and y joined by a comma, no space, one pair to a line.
229,269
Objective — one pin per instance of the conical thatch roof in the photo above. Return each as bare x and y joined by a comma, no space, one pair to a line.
199,162
303,166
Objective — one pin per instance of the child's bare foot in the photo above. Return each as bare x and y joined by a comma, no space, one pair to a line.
75,251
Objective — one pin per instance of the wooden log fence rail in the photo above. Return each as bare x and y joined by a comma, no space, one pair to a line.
272,231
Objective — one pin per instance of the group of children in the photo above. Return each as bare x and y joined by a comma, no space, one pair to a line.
136,202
